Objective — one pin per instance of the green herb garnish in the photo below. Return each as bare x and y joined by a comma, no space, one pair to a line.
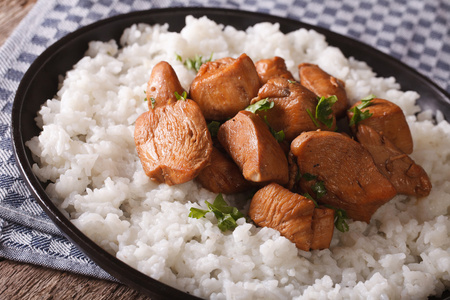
306,195
359,115
319,189
193,63
225,215
261,105
213,128
278,135
183,96
308,176
153,101
312,118
324,113
340,217
366,100
340,220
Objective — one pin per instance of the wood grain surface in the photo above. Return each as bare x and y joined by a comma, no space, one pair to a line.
11,13
26,281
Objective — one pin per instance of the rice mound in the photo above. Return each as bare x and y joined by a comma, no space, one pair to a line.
86,150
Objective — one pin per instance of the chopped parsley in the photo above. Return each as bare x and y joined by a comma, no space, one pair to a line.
367,99
319,189
261,105
306,195
340,217
358,114
213,128
312,117
152,101
225,215
194,63
340,220
278,135
308,176
323,112
183,96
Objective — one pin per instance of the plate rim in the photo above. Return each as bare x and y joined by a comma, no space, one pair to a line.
134,278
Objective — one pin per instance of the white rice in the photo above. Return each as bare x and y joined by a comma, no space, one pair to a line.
86,148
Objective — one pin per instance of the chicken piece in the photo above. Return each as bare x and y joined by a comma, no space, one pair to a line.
407,177
388,119
162,85
291,214
224,87
248,141
351,180
324,85
292,101
272,68
222,175
322,228
173,142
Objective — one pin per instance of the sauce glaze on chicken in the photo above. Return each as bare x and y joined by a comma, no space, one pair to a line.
357,171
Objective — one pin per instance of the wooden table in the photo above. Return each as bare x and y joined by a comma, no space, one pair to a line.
25,281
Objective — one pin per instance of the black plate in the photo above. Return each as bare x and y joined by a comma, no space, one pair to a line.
41,81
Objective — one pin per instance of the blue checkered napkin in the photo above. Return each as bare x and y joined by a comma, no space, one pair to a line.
416,32
30,245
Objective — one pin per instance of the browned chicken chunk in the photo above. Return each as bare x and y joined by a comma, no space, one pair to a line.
324,85
224,87
406,176
248,141
173,142
351,180
290,213
322,227
388,118
162,85
292,101
272,68
222,175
